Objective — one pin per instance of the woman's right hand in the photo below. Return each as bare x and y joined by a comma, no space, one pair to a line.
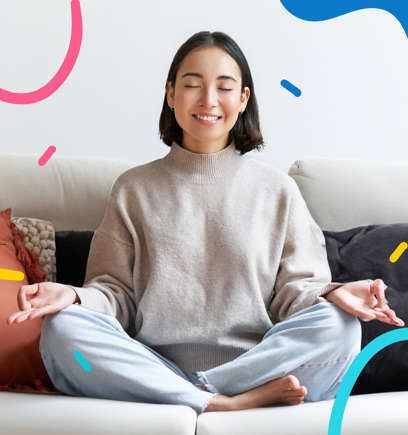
38,300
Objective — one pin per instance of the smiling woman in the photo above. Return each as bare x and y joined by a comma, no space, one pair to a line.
210,97
212,260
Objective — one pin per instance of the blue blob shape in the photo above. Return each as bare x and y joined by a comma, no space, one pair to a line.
82,361
291,88
353,372
321,10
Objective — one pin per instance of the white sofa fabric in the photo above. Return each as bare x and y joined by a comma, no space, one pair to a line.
72,193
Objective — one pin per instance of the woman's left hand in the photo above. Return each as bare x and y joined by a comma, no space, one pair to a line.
366,300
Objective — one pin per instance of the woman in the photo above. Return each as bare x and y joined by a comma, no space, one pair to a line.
213,264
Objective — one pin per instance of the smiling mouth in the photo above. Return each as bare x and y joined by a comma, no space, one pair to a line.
207,118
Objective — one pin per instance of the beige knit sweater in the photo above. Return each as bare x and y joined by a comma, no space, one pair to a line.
198,255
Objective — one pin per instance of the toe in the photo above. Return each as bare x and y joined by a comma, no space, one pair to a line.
292,382
295,400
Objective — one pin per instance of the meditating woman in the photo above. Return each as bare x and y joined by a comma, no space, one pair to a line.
207,281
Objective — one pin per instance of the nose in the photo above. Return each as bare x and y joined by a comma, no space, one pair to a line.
208,97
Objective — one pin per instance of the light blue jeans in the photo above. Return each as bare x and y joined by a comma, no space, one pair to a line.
316,344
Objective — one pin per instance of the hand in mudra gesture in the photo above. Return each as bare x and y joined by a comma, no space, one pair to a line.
37,300
366,300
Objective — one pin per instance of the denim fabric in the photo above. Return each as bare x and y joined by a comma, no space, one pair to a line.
316,344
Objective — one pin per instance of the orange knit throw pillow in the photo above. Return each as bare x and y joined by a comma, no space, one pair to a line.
21,366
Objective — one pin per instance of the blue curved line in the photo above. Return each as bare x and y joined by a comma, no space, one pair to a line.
361,360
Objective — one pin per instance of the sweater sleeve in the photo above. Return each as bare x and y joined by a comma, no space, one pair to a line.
108,285
304,274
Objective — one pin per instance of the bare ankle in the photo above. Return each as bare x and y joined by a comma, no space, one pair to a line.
219,402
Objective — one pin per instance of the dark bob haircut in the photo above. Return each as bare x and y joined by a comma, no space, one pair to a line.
246,132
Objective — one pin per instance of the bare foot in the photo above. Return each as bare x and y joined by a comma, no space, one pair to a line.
286,390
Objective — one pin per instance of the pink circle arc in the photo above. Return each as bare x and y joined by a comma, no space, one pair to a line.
64,71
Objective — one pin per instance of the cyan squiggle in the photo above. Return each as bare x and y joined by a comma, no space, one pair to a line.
361,360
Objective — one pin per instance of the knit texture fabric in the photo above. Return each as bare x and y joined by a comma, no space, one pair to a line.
198,255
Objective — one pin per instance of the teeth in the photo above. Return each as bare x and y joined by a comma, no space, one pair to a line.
207,118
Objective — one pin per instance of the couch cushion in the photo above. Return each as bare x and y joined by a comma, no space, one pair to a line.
362,253
26,413
20,359
374,414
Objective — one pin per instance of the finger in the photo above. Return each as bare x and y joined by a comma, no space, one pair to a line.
41,312
365,315
22,317
397,322
394,317
387,321
387,310
372,314
400,322
391,315
378,288
384,318
380,315
26,290
12,318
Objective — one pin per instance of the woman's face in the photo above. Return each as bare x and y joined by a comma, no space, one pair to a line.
208,84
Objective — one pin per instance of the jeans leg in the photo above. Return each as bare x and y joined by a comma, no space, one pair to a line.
316,344
122,368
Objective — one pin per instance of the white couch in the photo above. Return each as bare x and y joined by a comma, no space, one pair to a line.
72,193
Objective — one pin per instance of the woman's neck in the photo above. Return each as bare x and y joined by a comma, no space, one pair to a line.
204,147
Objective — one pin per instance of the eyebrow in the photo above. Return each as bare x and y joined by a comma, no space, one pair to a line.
224,77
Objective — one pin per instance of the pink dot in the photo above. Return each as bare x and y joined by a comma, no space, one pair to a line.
47,155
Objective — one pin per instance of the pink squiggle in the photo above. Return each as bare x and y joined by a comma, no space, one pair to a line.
62,73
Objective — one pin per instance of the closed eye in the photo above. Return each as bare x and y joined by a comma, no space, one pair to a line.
221,89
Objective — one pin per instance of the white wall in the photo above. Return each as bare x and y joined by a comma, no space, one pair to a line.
352,71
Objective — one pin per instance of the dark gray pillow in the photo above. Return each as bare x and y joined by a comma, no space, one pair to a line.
362,253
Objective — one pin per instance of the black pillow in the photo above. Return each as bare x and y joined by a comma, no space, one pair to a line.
71,251
363,253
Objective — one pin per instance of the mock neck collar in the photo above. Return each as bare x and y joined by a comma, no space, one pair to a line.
202,168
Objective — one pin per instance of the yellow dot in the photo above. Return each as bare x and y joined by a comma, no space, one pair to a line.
398,252
11,275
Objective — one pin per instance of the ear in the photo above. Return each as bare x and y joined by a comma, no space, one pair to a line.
170,94
244,99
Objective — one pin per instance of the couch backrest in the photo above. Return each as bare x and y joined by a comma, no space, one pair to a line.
345,193
70,192
73,192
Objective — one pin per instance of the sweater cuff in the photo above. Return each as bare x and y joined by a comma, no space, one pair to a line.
89,297
327,289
